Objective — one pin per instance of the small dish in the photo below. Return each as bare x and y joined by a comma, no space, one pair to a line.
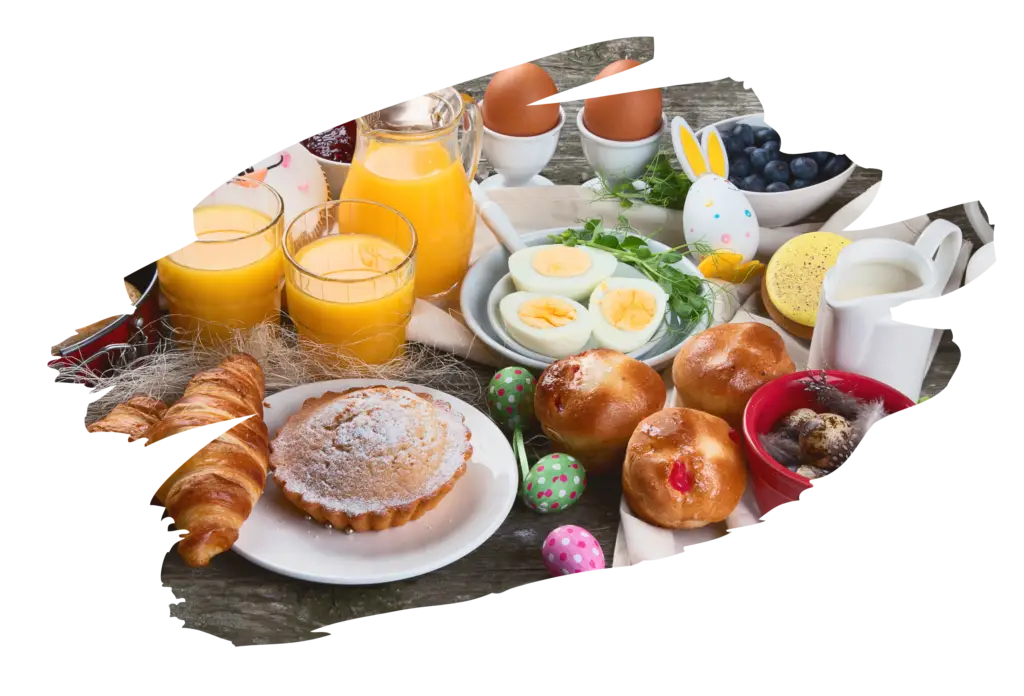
478,293
786,207
335,172
773,483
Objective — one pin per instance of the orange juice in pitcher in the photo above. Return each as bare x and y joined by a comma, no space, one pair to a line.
410,157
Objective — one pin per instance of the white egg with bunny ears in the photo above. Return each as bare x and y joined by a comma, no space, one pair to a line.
716,214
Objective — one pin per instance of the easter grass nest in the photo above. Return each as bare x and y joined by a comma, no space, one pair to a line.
287,360
783,443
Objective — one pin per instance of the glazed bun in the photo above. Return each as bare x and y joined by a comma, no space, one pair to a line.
683,470
718,370
590,404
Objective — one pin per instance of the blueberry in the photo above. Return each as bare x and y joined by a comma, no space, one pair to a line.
744,133
804,168
740,167
801,183
776,170
758,158
819,151
772,148
764,135
736,181
747,150
753,183
732,145
777,187
834,167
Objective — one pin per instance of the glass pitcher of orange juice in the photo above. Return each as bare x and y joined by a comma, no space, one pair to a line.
410,157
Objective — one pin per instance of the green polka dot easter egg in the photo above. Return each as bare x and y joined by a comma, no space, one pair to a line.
554,483
510,398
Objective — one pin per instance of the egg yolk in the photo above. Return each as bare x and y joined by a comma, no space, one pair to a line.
561,262
628,310
547,313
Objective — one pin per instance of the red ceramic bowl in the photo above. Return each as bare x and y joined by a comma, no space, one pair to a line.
773,483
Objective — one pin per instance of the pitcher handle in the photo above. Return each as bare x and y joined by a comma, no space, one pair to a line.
946,239
978,222
472,140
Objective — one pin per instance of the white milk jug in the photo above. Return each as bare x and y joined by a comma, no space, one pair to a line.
870,278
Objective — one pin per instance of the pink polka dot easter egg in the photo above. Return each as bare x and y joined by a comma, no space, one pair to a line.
510,398
571,549
554,483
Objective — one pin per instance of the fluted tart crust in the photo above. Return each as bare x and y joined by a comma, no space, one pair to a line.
370,458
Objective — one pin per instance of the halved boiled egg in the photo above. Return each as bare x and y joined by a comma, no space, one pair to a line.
557,269
553,326
626,312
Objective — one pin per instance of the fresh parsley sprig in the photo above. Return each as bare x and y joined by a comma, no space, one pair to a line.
660,185
686,293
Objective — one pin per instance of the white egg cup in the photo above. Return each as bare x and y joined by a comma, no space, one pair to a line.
619,161
518,159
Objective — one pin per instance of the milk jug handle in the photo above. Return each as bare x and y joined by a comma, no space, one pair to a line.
945,238
979,223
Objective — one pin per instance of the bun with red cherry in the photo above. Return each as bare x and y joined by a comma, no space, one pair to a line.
684,469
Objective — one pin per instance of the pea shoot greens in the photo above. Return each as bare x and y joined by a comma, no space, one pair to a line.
687,296
659,185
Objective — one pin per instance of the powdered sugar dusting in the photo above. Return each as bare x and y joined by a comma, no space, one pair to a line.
370,449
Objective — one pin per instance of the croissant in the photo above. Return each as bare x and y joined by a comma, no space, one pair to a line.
212,494
134,418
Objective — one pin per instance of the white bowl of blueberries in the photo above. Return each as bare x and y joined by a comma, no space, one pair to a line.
782,188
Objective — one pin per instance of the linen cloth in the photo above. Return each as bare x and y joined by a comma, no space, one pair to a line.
538,208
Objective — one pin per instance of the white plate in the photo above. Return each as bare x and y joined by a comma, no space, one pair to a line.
278,537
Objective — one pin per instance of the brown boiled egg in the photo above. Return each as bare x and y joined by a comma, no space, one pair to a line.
506,100
623,117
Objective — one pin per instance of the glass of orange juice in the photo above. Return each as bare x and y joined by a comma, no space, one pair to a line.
231,276
350,275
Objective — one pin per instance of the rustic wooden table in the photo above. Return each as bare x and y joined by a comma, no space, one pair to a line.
245,604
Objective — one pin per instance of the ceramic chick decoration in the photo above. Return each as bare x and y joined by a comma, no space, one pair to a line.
716,214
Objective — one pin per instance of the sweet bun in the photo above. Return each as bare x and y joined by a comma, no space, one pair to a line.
718,370
589,404
683,469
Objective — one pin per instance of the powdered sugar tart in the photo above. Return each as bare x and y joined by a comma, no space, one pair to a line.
370,458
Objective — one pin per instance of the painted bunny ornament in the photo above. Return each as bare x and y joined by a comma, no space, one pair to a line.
716,214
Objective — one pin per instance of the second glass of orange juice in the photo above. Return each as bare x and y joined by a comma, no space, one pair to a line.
410,157
350,270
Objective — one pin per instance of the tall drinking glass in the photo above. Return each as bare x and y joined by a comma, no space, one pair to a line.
231,276
350,274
